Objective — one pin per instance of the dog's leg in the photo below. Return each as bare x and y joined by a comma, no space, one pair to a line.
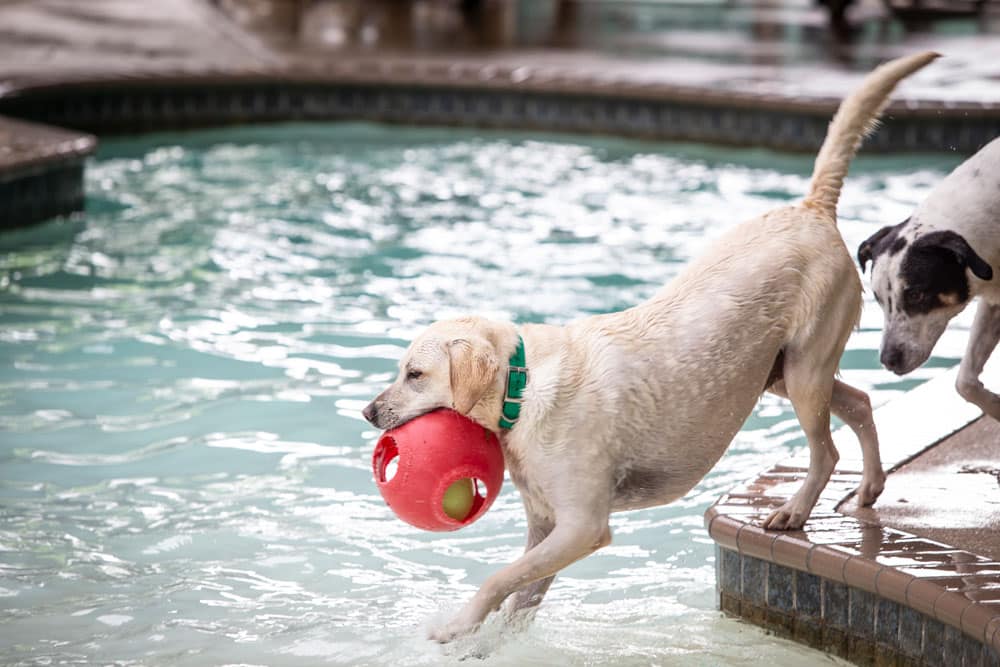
809,383
521,605
573,537
855,409
982,341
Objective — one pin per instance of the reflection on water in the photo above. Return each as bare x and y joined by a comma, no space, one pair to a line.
184,472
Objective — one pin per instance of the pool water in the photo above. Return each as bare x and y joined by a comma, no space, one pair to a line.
184,471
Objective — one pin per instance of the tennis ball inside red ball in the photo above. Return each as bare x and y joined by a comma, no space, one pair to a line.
458,498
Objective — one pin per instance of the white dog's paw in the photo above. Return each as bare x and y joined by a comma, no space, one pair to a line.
790,516
871,488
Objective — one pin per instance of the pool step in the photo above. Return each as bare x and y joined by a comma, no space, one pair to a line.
41,171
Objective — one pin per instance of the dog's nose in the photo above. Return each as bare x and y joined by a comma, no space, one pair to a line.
892,358
370,413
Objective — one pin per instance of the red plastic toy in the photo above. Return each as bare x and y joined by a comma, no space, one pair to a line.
416,463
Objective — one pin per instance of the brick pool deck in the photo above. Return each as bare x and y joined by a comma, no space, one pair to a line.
914,580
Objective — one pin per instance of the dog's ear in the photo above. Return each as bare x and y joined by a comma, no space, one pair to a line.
960,248
474,366
867,247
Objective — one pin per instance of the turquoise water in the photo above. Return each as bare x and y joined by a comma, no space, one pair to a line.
184,471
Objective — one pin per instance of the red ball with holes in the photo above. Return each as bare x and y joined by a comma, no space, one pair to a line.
440,471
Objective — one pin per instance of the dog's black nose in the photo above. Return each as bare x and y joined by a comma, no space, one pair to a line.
892,358
370,413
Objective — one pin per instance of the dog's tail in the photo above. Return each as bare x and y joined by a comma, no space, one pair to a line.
856,118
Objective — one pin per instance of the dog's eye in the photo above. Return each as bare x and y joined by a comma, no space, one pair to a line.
413,374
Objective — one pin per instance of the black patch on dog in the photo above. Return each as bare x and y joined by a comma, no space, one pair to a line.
886,239
935,265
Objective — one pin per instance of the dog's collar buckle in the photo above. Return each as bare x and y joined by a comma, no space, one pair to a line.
513,392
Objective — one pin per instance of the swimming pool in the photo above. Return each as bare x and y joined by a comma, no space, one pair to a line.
184,471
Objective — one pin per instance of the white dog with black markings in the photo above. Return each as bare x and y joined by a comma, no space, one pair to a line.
928,268
630,409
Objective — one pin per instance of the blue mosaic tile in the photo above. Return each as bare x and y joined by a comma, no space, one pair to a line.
780,588
808,597
972,651
952,649
861,613
753,580
52,191
990,657
886,622
835,604
911,631
126,108
933,641
730,562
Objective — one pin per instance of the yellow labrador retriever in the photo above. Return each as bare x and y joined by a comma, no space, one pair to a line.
631,409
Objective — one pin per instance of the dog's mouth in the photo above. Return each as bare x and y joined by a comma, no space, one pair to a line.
386,419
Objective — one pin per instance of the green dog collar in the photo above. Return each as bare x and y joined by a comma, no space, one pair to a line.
517,380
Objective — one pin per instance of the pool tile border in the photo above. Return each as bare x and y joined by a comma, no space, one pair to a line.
41,171
868,593
480,95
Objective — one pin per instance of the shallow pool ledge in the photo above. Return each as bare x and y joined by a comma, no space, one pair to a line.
41,171
866,589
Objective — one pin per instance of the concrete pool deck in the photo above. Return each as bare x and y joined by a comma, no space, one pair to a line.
757,72
914,580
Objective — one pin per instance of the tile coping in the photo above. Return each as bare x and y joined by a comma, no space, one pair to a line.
478,73
931,577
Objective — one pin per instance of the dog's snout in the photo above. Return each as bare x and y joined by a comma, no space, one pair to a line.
892,358
370,413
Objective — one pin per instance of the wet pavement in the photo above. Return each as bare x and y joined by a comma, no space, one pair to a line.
950,494
764,47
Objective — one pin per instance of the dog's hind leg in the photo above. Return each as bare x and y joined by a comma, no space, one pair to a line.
854,408
809,384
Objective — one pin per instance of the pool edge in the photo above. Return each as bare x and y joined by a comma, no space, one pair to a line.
41,171
841,584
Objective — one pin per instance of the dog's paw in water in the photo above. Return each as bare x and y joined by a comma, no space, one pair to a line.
450,632
479,642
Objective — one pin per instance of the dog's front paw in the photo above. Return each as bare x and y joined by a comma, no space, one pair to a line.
871,488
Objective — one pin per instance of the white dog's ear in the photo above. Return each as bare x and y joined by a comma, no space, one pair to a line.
474,366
